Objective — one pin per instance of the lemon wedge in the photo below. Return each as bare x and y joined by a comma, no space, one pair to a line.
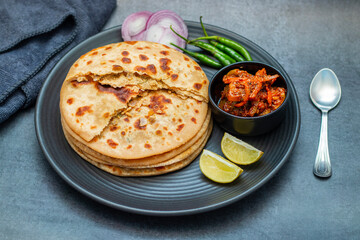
239,151
217,168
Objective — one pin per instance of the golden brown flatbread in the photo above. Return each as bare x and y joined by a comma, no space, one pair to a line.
131,62
81,144
178,162
159,122
110,76
136,105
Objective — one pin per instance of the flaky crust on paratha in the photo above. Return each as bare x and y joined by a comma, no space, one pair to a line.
102,82
174,164
136,108
158,123
155,159
140,58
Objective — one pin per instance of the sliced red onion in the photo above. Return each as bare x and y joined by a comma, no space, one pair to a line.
134,25
155,27
158,28
163,35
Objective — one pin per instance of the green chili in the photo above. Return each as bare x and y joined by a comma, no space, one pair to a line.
222,57
201,57
227,42
231,52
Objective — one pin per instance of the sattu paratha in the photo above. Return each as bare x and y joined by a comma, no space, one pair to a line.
135,105
81,144
120,71
173,164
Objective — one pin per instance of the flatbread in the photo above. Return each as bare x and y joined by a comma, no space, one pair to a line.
142,161
88,106
161,121
101,83
170,166
128,62
136,108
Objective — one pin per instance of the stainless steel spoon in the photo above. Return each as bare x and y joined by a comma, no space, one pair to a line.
325,93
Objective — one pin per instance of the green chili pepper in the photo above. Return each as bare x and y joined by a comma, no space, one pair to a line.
222,57
201,57
231,52
227,42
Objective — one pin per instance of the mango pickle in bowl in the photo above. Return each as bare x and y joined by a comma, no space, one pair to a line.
248,98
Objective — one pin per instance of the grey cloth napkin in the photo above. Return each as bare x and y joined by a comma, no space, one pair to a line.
34,35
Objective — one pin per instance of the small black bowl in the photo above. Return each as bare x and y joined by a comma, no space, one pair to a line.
246,126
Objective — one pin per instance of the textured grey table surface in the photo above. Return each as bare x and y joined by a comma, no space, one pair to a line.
304,36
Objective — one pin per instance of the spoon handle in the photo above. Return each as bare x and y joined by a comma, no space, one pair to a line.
322,166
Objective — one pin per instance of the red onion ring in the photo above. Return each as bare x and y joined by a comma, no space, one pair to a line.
134,26
156,29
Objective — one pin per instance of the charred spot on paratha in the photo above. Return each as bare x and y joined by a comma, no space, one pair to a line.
126,60
165,53
157,103
180,127
149,69
117,68
123,94
143,57
70,101
197,86
140,124
131,42
174,77
164,64
112,143
113,128
76,84
82,110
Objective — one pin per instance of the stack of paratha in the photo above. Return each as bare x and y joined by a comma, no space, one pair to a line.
136,108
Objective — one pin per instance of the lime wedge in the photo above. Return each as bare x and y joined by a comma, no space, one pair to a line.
239,151
217,168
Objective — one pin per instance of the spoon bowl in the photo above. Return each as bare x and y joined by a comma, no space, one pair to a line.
325,90
325,93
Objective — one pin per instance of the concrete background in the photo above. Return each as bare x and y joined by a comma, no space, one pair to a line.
304,36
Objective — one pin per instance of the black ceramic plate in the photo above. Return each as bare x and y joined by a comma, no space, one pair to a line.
179,193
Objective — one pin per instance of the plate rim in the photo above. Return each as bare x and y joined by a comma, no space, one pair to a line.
86,192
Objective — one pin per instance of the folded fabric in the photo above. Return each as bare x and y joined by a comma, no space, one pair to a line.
35,34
